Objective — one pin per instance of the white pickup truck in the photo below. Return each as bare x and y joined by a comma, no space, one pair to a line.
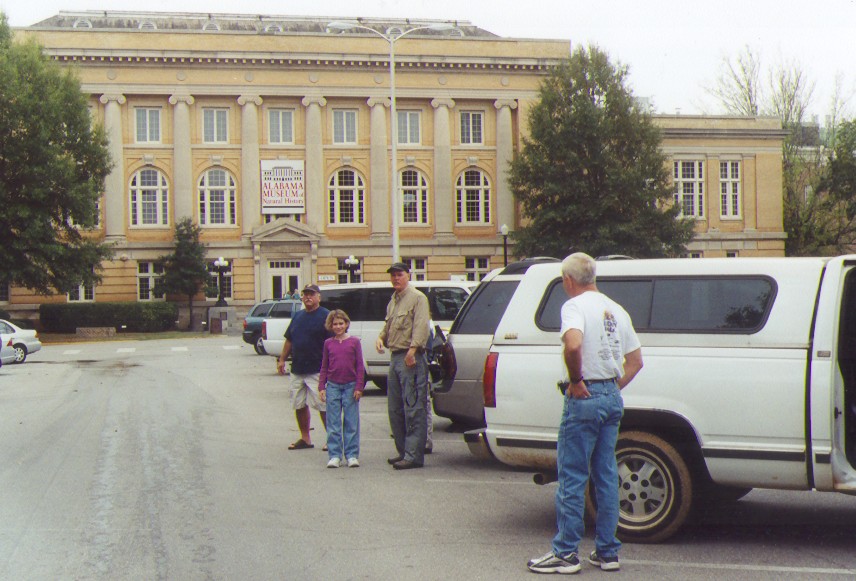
365,304
749,381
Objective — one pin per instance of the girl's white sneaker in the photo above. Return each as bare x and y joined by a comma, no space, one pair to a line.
334,463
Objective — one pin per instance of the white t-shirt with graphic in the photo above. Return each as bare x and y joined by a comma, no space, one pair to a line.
608,333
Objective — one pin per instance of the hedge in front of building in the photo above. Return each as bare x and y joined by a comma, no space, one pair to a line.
134,317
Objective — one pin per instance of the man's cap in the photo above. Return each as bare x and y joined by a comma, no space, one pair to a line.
311,288
398,266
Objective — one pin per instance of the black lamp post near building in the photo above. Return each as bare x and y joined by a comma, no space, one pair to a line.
222,267
504,231
352,263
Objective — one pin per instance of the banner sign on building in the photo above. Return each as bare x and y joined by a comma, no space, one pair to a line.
283,186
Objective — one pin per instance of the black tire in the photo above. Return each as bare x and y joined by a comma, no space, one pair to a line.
259,346
655,488
20,353
380,382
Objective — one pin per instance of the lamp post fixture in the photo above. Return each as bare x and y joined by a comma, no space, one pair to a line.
352,263
504,231
222,266
391,35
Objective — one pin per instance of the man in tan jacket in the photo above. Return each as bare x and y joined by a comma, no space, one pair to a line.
405,334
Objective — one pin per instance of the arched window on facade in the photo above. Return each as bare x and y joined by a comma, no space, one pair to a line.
346,198
149,199
217,198
473,198
414,197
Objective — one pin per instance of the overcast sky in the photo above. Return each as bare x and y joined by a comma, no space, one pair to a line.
674,49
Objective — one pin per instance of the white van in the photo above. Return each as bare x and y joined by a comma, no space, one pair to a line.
365,304
749,381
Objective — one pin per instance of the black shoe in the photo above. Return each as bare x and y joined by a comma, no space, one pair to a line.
429,450
605,563
394,460
406,465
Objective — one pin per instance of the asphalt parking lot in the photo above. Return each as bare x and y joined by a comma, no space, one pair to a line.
168,460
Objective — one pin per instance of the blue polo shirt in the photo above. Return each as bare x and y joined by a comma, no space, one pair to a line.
307,335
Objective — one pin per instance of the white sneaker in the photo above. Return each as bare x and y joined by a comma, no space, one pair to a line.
353,463
334,463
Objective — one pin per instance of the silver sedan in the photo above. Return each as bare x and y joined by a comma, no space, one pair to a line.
24,341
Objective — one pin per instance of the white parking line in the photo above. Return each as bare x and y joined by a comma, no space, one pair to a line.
179,348
231,346
126,349
758,568
71,352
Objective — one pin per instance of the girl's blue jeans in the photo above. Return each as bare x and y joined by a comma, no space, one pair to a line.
343,421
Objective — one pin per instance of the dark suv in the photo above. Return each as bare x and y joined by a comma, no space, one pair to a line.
268,309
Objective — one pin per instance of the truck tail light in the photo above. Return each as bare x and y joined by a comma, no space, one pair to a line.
489,380
245,324
264,330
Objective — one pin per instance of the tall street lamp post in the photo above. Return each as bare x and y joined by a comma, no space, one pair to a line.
391,35
222,266
504,231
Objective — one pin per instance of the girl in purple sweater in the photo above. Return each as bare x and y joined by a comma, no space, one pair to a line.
341,385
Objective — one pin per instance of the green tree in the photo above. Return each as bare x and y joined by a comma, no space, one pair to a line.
185,270
817,216
52,168
591,176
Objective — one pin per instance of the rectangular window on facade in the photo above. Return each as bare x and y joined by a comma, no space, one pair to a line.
476,267
212,289
148,124
408,128
84,293
97,217
729,189
281,126
472,123
4,291
688,177
147,275
418,270
345,126
215,125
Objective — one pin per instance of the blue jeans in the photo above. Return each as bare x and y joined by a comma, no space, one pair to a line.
587,437
343,416
407,390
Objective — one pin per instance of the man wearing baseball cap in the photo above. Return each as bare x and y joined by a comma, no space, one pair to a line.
304,340
405,334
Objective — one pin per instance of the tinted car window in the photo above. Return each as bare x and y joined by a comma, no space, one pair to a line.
679,304
376,301
446,302
281,311
261,310
730,304
481,314
349,300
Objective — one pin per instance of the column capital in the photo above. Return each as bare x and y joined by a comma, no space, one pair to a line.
176,99
107,97
437,103
379,102
510,103
314,100
245,99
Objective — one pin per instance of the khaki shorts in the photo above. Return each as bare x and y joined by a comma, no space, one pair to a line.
304,391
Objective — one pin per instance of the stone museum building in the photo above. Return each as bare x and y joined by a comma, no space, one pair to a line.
274,134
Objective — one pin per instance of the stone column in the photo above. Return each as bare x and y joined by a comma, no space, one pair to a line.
182,188
380,186
251,194
444,193
504,155
315,216
114,184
